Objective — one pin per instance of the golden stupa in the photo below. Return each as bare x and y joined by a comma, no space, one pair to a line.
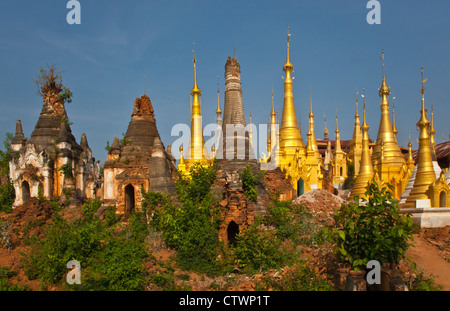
387,158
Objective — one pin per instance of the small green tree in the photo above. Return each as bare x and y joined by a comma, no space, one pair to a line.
374,230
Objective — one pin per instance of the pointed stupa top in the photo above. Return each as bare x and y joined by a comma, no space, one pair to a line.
337,147
432,131
394,129
218,110
273,114
115,144
311,132
83,142
384,89
325,130
19,137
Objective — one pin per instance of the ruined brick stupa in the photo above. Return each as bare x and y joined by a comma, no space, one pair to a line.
138,161
236,152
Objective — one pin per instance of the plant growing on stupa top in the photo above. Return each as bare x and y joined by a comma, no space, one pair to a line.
49,83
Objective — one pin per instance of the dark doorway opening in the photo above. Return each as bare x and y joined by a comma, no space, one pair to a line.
300,187
25,191
129,199
442,199
232,232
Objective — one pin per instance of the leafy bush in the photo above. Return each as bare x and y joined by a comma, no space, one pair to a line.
62,242
7,197
293,222
258,248
249,183
302,277
90,207
5,285
109,260
373,231
110,215
7,192
191,227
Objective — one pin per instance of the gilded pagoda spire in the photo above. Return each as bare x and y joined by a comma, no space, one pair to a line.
337,147
425,174
325,130
354,155
410,161
272,126
196,150
394,129
290,136
366,172
387,157
273,114
218,110
432,131
181,164
311,133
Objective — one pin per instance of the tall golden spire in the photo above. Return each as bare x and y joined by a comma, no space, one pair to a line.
325,130
410,161
337,146
181,164
196,150
218,110
387,157
354,155
366,172
394,129
425,174
290,136
432,131
273,114
311,133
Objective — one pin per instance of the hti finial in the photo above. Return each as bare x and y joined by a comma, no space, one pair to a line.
422,89
382,58
288,34
193,50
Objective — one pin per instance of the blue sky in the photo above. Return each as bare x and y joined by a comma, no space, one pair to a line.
333,49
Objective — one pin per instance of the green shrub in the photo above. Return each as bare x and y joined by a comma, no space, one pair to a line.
302,277
258,248
5,285
249,183
374,231
423,283
90,207
62,242
191,227
111,217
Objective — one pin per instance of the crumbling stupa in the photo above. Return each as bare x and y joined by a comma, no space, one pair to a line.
138,161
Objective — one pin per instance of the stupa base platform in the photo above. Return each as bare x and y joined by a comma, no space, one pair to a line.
429,217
